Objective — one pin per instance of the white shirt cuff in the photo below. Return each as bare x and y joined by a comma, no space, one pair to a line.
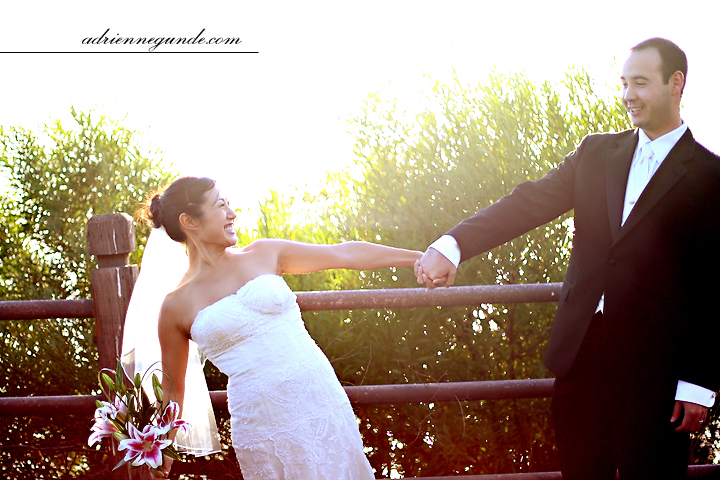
689,392
448,247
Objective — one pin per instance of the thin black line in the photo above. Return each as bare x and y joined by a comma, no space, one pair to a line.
195,52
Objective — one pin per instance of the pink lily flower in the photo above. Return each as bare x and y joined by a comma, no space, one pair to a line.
105,411
121,409
169,420
103,428
144,447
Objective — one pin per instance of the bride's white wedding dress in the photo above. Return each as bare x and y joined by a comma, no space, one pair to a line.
290,417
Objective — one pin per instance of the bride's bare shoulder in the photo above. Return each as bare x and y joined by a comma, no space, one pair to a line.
256,258
175,299
175,307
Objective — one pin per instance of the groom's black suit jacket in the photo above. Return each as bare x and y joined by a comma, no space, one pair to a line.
659,271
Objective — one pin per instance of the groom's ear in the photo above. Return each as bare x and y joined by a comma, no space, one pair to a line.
189,223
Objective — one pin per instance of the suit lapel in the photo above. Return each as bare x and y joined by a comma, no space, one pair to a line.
669,173
618,168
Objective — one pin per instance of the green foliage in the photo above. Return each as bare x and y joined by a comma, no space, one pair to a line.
55,181
418,177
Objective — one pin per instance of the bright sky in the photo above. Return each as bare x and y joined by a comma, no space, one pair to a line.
277,118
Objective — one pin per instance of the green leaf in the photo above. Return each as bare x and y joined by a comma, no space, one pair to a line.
119,374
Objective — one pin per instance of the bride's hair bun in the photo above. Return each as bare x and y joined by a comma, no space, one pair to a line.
184,195
156,212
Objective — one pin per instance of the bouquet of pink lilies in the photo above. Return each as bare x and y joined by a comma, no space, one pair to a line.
140,426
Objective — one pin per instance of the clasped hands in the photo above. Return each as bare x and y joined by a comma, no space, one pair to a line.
433,269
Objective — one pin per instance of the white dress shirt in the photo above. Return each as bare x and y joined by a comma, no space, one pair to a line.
648,157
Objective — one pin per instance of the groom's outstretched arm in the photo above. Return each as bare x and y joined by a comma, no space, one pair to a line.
528,206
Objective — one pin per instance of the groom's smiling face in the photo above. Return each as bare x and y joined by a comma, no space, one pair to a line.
652,102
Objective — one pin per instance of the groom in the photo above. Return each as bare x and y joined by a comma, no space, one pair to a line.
633,339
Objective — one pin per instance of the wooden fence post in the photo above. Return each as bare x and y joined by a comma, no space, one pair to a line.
111,238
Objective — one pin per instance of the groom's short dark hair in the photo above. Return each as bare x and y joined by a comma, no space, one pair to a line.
672,56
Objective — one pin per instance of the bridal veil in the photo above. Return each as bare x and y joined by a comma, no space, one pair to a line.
163,265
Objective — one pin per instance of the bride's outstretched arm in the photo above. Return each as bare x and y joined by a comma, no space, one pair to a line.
174,346
295,257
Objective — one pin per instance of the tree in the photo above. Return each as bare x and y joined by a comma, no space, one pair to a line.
418,177
56,180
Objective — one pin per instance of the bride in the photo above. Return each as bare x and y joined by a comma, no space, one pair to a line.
290,417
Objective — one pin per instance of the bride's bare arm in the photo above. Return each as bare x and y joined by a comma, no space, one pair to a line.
295,257
174,347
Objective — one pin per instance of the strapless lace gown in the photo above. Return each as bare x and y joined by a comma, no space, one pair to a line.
290,417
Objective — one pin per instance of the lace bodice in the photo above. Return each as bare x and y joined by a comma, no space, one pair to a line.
291,419
233,324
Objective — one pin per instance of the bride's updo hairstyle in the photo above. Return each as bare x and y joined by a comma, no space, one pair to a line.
184,195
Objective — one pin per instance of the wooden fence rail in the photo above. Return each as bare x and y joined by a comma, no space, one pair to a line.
111,238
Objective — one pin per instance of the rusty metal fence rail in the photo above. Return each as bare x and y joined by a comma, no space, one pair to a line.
362,395
329,300
46,309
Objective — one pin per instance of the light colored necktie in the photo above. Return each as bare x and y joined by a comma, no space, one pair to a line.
647,163
640,174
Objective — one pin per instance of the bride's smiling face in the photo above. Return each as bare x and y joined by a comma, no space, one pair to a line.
218,220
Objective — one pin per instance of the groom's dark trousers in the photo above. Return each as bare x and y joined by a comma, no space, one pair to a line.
617,372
